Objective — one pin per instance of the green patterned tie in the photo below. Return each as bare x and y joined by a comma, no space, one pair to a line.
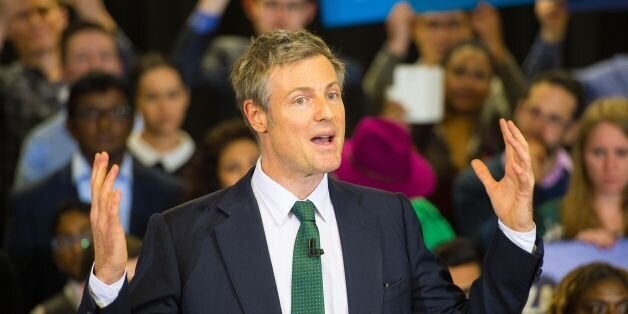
307,276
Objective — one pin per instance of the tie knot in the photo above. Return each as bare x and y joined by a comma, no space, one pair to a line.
304,210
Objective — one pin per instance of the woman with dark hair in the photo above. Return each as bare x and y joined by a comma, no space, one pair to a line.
593,288
162,98
449,145
227,152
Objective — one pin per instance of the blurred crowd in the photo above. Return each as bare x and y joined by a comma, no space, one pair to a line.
77,85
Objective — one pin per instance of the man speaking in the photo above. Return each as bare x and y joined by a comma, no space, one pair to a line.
288,238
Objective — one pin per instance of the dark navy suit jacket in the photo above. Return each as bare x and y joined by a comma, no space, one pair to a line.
33,208
210,256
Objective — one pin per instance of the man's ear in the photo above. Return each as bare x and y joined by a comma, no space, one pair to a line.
256,116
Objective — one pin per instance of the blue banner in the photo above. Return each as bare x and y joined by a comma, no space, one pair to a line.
339,13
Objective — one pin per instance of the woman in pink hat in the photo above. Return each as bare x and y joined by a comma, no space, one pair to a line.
381,155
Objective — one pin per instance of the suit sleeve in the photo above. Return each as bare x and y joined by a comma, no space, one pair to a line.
156,287
507,274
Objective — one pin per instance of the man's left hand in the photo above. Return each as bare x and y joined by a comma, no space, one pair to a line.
511,196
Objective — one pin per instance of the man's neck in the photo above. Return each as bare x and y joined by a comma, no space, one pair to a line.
298,184
46,61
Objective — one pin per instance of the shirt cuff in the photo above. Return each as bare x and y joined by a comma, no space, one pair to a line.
524,240
203,23
102,293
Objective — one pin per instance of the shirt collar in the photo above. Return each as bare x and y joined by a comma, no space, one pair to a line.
171,160
81,170
279,200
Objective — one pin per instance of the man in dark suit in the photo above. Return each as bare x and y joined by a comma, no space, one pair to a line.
99,117
287,238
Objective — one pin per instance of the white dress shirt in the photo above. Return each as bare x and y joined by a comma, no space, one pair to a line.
281,226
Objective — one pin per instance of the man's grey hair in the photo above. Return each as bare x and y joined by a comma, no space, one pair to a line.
249,75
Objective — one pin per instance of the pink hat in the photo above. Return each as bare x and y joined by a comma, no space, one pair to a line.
380,155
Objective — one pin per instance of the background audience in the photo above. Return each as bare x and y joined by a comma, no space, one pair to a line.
162,99
56,112
593,288
545,114
595,207
227,153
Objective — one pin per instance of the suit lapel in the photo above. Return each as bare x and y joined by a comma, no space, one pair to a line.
242,241
361,250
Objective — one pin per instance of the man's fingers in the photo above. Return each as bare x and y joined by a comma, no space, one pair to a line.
106,191
516,133
98,173
483,173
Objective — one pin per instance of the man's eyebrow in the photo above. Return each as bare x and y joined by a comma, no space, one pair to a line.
310,89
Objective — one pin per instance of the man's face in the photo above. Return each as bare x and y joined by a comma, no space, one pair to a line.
163,100
302,132
103,121
272,15
436,33
605,156
545,116
72,237
36,26
91,50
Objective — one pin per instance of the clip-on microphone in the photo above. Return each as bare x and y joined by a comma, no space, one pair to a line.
313,250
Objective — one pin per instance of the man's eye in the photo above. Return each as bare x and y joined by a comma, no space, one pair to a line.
300,101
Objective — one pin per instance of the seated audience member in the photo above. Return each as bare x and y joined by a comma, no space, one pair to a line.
100,118
593,288
227,153
595,207
604,79
435,33
380,155
33,87
461,136
49,146
162,99
206,59
71,237
464,260
545,115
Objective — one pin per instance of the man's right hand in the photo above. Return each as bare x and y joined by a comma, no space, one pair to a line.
109,241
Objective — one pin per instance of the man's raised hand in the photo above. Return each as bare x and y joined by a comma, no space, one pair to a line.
511,196
110,253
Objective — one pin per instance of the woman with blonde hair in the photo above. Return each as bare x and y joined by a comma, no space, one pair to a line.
594,209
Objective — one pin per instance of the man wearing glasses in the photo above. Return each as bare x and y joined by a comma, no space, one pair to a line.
100,117
547,114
